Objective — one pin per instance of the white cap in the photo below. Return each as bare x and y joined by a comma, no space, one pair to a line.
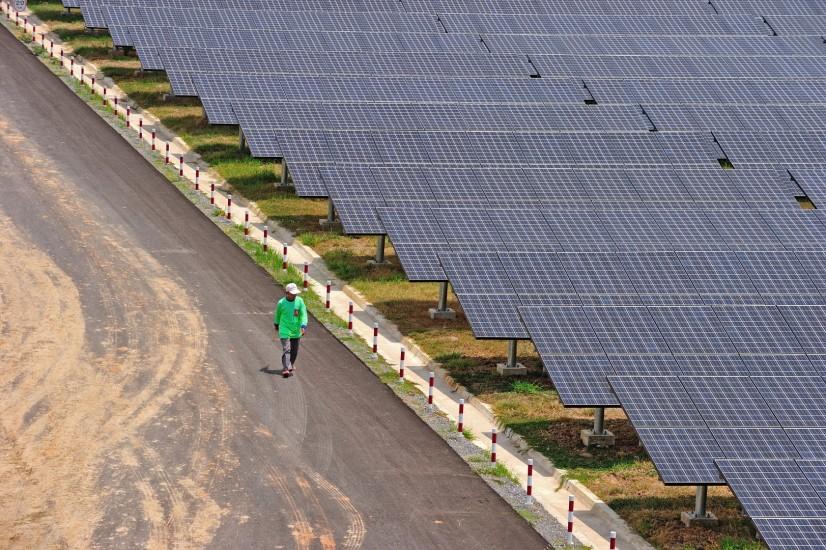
292,288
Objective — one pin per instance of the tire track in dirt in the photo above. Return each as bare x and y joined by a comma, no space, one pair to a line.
357,530
70,396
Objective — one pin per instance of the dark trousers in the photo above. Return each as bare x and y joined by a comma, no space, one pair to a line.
289,352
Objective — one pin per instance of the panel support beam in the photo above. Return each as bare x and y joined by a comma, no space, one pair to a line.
700,517
599,420
442,311
284,172
511,367
242,142
330,221
700,501
379,259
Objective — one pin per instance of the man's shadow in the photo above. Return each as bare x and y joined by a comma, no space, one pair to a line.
267,370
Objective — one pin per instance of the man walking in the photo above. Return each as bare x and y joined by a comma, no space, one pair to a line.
290,322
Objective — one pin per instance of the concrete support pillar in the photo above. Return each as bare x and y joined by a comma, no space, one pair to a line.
442,311
599,420
379,259
242,142
511,367
330,221
284,173
700,516
598,436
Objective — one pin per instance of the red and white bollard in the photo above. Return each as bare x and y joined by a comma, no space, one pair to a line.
246,223
529,488
153,137
460,420
212,193
166,154
493,445
306,275
265,238
103,99
375,340
180,165
229,206
140,128
82,73
197,178
72,67
570,519
350,318
431,382
128,116
284,257
329,290
115,105
401,366
612,538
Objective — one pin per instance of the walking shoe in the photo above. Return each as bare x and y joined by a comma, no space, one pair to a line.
285,373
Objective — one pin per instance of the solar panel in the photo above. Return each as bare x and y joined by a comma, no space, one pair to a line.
758,330
561,331
626,330
772,488
807,323
683,456
659,401
599,277
792,532
580,380
692,330
762,443
796,401
729,402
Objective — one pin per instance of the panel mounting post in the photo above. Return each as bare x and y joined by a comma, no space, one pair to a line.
242,141
442,311
598,436
330,221
379,259
700,516
511,367
599,420
284,172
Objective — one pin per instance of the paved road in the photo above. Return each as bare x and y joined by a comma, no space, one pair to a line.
133,412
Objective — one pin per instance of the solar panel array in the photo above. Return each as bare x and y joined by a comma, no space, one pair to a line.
620,182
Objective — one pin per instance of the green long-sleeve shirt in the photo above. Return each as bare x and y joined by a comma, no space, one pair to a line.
290,317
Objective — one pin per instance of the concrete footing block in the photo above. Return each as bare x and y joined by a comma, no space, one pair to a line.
442,314
691,520
603,440
373,263
327,224
505,370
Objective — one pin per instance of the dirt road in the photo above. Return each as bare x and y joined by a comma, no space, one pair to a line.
133,412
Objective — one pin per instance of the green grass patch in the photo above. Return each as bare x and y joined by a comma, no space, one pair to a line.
468,433
520,386
528,515
498,471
